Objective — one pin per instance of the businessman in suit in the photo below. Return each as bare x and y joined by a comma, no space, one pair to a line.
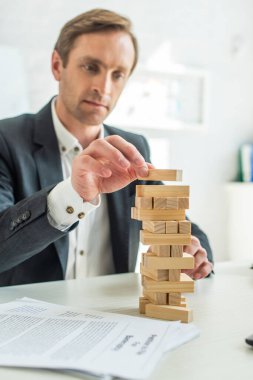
67,181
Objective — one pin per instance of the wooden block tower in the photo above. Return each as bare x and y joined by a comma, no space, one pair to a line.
161,208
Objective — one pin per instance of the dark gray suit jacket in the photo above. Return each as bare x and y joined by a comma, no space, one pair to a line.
31,250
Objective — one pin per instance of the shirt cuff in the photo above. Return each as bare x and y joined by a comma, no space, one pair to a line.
65,206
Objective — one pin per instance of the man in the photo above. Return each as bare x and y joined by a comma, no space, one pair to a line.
66,180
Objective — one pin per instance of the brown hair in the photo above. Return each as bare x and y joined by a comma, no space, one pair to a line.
95,20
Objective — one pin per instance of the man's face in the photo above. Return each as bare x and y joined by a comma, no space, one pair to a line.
98,67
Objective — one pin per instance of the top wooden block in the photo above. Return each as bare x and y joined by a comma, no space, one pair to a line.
163,175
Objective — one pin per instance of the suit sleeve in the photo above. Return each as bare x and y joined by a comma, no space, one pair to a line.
24,227
25,230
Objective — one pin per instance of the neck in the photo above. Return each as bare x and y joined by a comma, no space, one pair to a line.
85,134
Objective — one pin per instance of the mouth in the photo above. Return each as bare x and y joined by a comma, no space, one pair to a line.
96,104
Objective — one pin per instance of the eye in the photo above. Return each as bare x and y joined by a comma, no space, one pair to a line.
90,67
117,75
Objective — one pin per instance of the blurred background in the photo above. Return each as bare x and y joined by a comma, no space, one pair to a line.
191,95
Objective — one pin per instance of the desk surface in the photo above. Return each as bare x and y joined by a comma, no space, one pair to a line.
223,310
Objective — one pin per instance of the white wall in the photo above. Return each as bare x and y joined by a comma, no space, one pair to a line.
214,35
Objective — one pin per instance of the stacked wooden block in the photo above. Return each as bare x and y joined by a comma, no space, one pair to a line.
161,208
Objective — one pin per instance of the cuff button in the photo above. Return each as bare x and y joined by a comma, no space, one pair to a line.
70,210
81,215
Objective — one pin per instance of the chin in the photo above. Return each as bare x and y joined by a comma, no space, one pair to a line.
96,119
90,119
93,122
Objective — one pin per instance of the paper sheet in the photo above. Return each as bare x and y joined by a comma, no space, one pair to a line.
44,335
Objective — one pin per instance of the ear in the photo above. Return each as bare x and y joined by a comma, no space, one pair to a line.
56,65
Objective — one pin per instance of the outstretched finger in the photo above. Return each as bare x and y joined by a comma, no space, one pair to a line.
131,154
103,151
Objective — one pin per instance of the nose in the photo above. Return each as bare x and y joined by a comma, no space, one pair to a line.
103,84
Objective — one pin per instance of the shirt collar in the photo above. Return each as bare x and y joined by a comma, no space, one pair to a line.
67,142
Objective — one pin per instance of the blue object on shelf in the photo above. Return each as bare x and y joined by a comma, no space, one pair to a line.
246,163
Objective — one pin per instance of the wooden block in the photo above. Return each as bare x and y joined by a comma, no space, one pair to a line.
172,227
184,227
156,298
144,203
175,299
145,258
143,301
168,203
163,175
171,203
185,285
155,262
161,250
164,239
183,203
148,253
176,251
162,191
160,203
174,274
154,274
157,227
154,214
167,312
144,254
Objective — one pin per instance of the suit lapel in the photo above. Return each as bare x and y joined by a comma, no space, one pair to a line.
48,162
47,155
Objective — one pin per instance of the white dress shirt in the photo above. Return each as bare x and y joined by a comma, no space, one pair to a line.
90,251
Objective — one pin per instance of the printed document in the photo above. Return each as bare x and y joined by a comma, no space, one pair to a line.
43,335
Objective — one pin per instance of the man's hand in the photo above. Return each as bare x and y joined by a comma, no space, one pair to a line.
105,166
202,266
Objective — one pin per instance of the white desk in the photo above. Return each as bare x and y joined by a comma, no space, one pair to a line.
223,310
